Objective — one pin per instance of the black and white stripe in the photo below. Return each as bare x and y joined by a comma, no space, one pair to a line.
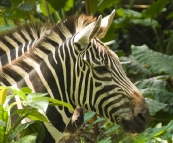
70,63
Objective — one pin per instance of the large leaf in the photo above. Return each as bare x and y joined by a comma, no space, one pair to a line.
158,95
155,8
159,82
157,62
134,68
154,106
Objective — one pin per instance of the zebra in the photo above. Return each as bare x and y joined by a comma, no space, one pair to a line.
71,64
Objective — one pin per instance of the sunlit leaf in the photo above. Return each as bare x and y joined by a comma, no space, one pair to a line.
36,96
3,94
26,90
68,5
38,104
2,123
58,103
44,8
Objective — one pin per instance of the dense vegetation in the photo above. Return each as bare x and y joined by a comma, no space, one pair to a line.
143,39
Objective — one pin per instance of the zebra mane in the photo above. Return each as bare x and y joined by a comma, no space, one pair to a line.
26,41
16,42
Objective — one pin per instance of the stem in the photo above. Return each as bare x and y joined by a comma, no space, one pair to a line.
87,9
96,130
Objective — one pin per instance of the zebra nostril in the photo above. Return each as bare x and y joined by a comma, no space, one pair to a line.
141,118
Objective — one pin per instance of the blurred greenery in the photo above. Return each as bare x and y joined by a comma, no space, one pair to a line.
143,34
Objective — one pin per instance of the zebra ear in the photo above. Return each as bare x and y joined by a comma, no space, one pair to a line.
105,24
89,32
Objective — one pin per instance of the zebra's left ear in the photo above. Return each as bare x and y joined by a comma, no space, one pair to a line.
105,24
84,37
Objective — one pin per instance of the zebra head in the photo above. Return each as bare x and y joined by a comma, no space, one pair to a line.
102,83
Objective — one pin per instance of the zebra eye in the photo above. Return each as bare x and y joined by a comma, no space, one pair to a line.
101,69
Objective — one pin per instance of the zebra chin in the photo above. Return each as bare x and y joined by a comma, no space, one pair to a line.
138,120
131,125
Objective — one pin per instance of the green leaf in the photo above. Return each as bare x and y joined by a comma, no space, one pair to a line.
9,97
154,106
159,82
149,134
88,116
134,68
95,5
154,9
17,130
43,7
36,96
103,4
38,104
25,6
168,133
32,114
158,95
112,129
98,120
128,13
150,59
2,123
18,92
26,90
58,103
68,5
36,127
145,22
58,5
28,139
107,140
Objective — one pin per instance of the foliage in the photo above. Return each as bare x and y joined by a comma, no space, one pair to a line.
150,66
34,108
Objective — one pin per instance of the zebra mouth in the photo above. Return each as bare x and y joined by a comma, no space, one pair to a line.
132,126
